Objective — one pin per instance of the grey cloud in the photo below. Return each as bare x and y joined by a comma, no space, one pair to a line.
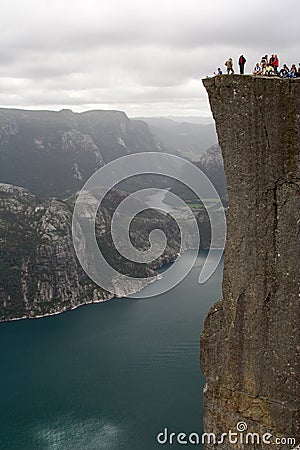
145,55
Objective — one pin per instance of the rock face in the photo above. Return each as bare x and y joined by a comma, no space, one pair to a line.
53,153
211,163
250,343
39,271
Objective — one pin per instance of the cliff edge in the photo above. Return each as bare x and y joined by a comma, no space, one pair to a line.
250,343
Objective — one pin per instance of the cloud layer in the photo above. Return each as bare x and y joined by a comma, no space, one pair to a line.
144,57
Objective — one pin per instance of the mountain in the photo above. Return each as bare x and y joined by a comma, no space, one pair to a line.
46,154
202,120
186,139
39,271
54,153
211,163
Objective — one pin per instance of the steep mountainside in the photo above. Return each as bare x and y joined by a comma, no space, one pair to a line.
39,271
211,163
189,140
53,153
250,343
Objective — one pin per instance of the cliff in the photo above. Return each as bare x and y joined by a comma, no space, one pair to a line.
52,153
250,342
39,271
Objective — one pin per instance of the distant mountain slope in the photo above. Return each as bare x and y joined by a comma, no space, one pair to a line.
53,153
211,163
202,120
193,119
186,139
39,271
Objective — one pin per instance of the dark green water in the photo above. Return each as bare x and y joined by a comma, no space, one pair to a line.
107,376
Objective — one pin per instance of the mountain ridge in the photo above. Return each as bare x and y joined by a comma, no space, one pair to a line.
40,274
53,153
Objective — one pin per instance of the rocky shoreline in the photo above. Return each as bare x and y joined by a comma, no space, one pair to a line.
39,271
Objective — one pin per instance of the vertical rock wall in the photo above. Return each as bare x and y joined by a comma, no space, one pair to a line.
250,343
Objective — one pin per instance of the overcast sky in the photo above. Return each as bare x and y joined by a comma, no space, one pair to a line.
144,57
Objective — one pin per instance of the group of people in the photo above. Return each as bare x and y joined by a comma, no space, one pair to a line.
267,67
270,67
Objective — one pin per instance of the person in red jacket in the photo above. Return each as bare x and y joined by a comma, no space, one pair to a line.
276,64
242,61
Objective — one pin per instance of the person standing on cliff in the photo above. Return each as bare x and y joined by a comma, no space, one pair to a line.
242,61
276,64
274,61
229,65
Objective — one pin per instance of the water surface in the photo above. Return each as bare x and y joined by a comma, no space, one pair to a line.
107,376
